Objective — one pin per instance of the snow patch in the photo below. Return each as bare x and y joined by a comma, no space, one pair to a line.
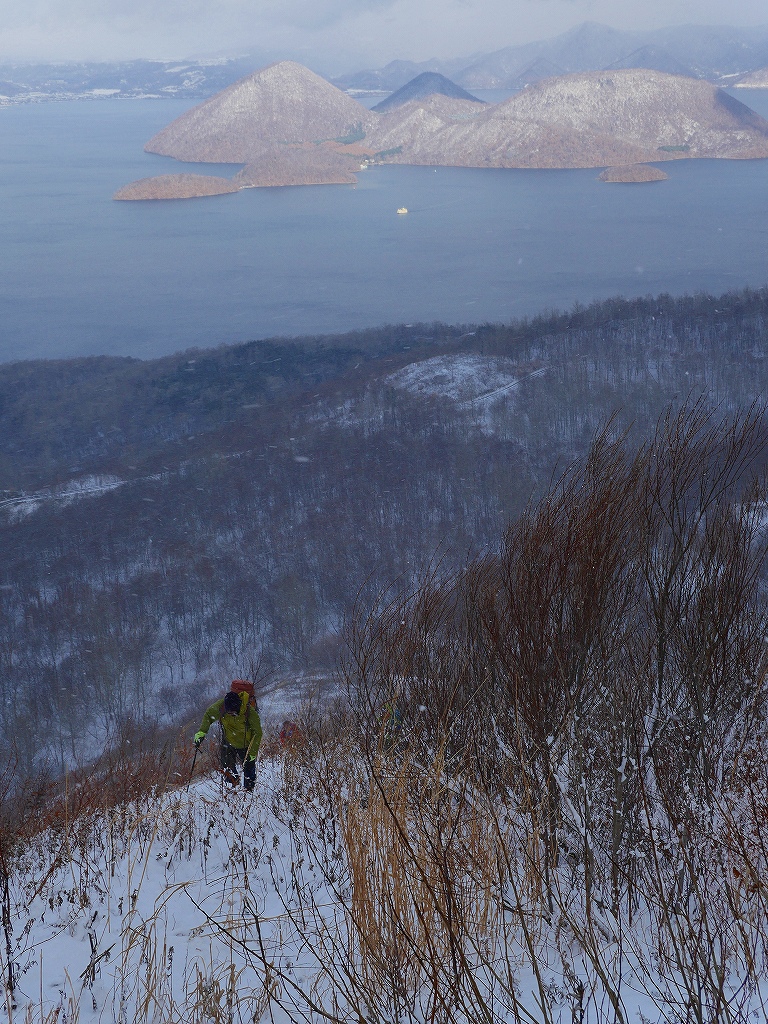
466,379
73,490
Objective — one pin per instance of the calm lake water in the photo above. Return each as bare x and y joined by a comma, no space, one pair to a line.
81,274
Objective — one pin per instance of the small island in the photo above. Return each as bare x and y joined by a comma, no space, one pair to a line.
301,164
631,173
177,186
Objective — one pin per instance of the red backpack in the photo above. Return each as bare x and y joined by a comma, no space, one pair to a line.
244,686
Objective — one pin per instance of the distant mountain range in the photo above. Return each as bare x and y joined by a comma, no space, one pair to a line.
136,79
289,126
714,53
717,54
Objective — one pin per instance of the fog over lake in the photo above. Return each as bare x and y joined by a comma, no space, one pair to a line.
82,274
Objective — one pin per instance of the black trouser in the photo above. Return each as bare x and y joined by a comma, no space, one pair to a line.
231,757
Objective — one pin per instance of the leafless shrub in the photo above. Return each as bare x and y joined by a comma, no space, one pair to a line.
576,776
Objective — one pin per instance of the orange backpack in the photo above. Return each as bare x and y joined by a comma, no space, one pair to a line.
244,686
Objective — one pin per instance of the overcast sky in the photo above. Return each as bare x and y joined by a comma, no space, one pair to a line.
329,35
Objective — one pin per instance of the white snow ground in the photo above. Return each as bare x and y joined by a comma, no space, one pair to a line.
125,927
188,907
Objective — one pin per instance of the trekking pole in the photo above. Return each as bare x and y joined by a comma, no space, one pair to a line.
192,769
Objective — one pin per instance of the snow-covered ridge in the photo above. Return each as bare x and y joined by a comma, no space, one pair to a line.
475,384
66,493
463,378
466,379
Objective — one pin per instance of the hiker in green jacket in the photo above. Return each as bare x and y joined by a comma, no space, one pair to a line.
240,735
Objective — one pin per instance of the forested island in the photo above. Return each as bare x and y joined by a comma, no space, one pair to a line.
289,126
177,186
633,173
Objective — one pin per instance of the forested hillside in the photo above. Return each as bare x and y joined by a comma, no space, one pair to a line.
166,524
539,796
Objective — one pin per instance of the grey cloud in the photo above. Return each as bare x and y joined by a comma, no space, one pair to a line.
313,14
300,14
365,30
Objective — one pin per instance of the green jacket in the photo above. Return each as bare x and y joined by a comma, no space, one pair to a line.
241,731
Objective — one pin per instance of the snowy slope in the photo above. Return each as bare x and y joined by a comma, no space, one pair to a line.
210,905
125,926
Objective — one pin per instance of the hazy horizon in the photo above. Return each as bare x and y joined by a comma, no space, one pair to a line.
333,36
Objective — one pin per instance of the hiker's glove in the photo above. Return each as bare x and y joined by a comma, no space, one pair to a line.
199,737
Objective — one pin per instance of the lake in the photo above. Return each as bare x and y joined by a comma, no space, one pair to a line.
81,274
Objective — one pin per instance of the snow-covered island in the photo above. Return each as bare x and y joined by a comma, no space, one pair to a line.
275,118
